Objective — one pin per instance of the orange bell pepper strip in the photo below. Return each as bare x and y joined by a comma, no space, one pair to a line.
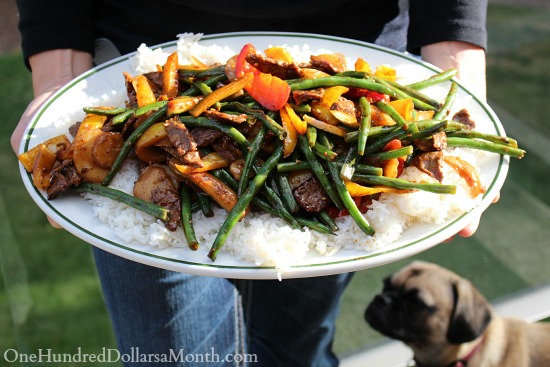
299,124
404,107
468,173
291,137
170,80
356,190
210,162
144,92
222,93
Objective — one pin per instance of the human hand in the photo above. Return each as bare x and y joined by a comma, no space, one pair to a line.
50,71
469,60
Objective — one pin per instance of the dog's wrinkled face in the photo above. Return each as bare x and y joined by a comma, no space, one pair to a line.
424,304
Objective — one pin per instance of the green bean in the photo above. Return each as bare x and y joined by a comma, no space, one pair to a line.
279,206
404,184
122,197
122,117
396,153
311,134
374,131
298,166
204,203
381,142
330,81
239,208
324,152
364,106
346,198
415,94
105,111
250,159
286,193
319,172
418,104
150,107
497,139
215,125
193,90
186,218
449,100
264,119
129,143
486,146
317,226
202,73
327,220
303,108
428,131
434,79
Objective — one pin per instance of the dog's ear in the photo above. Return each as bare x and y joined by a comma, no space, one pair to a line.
471,313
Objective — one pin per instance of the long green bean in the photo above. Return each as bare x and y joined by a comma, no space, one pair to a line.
239,208
434,79
187,219
330,81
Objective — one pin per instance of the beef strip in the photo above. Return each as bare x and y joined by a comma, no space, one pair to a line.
463,116
303,96
204,137
63,177
183,142
311,196
430,163
280,69
225,117
168,199
227,148
438,141
329,63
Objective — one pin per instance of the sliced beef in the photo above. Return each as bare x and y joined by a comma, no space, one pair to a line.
63,177
204,137
438,141
227,148
430,163
329,63
225,117
303,96
168,199
183,142
463,116
281,69
311,196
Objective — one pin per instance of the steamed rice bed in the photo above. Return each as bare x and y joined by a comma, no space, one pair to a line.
260,238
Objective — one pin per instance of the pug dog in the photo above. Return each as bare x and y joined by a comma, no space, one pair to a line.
446,322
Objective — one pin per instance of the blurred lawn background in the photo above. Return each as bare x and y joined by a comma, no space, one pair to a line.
50,296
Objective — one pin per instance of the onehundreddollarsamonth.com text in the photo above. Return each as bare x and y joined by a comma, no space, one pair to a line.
109,355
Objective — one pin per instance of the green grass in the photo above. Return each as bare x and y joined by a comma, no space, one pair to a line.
52,298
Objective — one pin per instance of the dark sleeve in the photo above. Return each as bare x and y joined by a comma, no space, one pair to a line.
55,24
434,21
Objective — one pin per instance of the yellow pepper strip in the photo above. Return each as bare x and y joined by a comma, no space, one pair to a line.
54,144
404,107
291,137
299,124
278,53
83,146
221,93
385,72
210,162
181,104
390,167
335,130
198,64
321,111
468,173
332,94
170,81
356,190
42,168
144,92
423,115
380,118
145,146
362,65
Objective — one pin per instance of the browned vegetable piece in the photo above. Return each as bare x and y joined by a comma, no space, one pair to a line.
152,177
146,148
43,164
215,188
106,148
55,144
329,63
89,130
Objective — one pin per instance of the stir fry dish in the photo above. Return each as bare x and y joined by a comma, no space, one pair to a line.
306,142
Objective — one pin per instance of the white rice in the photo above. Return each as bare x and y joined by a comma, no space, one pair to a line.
265,240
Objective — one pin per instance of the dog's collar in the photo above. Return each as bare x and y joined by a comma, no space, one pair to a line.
463,362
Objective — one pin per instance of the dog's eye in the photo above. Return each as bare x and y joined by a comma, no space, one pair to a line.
414,301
